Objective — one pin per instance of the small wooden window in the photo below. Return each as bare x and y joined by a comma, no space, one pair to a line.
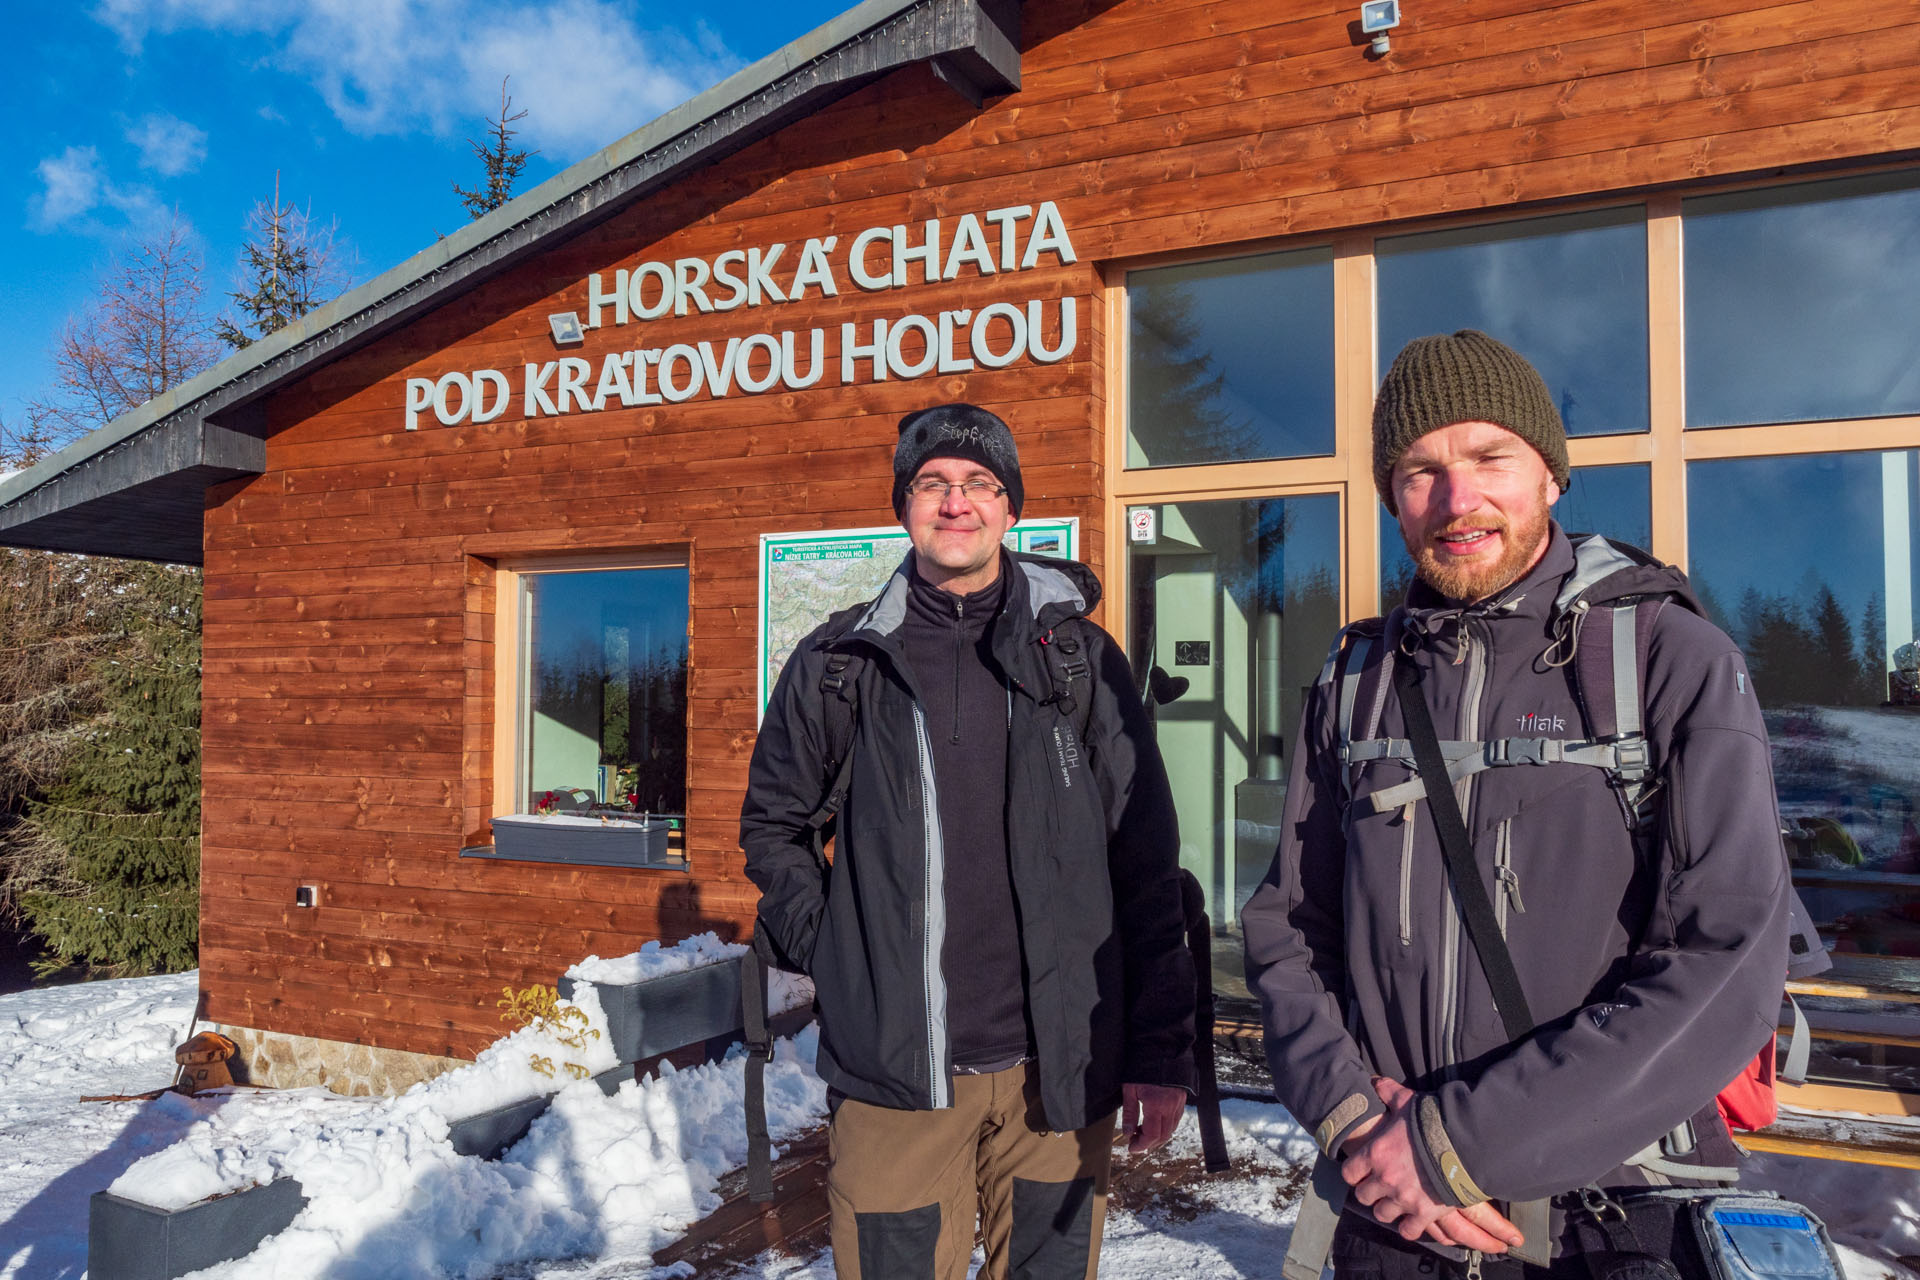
591,710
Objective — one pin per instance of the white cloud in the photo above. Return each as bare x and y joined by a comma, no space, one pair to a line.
168,144
77,194
70,186
584,69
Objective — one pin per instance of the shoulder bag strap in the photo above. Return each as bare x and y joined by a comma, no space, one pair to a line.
1468,887
759,1041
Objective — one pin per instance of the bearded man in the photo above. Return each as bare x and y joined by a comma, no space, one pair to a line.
1631,884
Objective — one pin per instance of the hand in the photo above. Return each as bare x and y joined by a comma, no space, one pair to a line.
1149,1114
1377,1161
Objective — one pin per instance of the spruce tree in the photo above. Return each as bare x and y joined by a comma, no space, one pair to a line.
126,816
99,659
501,161
288,267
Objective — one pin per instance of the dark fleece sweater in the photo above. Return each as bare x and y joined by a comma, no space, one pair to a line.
946,641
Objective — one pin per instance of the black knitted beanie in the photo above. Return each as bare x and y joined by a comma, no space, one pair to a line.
1466,377
956,431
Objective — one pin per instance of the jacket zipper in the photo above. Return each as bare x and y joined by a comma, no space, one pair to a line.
959,654
1503,872
933,920
1407,812
1475,655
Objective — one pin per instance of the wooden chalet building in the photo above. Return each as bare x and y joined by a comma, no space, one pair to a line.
496,531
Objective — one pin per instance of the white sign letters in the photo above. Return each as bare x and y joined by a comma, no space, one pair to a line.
994,336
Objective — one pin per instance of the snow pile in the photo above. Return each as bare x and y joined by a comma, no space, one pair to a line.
784,990
388,1195
97,1037
310,1134
595,1176
654,961
58,1045
504,1072
247,1140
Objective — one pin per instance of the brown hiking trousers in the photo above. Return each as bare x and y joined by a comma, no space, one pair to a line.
905,1186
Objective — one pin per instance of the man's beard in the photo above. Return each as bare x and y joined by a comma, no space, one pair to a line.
1470,582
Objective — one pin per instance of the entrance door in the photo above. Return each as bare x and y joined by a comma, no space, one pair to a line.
1233,606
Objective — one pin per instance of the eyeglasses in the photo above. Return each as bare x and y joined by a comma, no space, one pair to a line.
976,491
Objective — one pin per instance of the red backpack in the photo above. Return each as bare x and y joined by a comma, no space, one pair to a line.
1749,1104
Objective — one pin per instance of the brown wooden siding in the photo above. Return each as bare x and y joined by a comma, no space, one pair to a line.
349,641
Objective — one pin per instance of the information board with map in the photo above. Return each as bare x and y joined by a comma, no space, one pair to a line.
806,576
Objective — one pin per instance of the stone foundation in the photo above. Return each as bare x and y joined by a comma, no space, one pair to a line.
275,1060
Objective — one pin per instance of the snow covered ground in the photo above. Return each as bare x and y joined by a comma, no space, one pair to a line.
597,1185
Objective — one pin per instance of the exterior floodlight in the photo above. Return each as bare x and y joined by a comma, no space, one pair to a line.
566,329
1377,17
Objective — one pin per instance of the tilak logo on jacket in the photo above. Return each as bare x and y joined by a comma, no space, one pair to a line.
1066,753
1535,722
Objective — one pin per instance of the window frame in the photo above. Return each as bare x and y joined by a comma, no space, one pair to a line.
510,647
1666,448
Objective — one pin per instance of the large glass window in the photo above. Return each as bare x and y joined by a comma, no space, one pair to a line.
1802,303
1233,607
604,691
1808,562
1783,310
1568,292
1231,361
1615,502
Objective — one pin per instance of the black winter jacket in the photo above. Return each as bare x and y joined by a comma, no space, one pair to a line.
1652,985
1091,840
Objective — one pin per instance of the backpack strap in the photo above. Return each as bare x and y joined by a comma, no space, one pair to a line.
758,1035
1609,676
1071,674
839,707
1608,646
1357,687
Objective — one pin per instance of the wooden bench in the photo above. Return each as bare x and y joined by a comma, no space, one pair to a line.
1882,1140
1853,1122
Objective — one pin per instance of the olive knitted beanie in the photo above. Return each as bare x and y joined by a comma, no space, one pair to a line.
1466,377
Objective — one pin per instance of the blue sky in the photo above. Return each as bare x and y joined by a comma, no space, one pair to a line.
126,112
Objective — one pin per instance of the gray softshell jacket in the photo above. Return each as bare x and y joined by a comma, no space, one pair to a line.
1653,979
1092,844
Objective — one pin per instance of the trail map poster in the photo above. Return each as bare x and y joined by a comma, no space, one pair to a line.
806,576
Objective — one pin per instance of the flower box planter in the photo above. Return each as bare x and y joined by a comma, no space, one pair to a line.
615,840
670,1012
489,1134
127,1240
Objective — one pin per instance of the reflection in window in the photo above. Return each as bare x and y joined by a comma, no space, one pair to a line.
1808,562
1568,292
1615,502
606,690
1802,303
1232,612
1231,361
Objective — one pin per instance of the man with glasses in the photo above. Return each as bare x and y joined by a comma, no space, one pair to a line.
998,948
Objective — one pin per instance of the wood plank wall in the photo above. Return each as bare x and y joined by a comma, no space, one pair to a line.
349,591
